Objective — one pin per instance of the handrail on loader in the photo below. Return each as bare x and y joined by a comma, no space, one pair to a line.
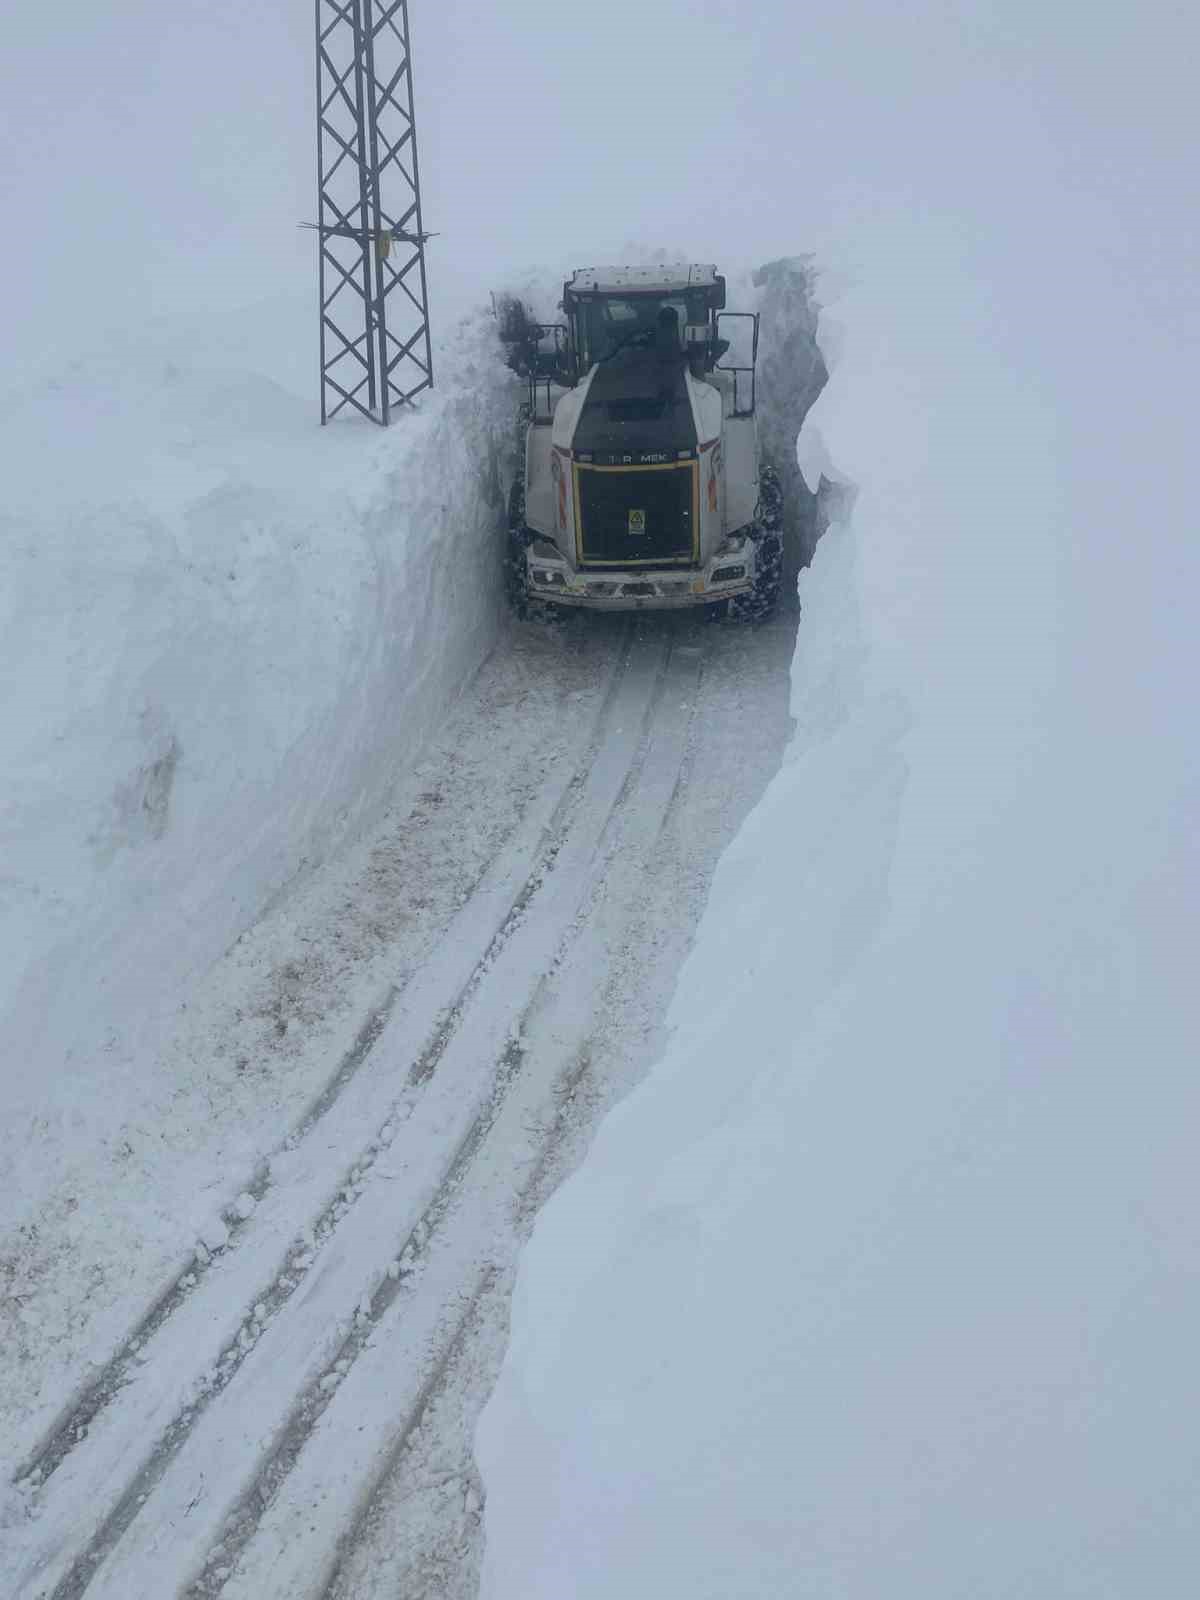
547,366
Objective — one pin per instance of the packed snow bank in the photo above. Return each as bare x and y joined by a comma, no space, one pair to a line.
884,1282
225,634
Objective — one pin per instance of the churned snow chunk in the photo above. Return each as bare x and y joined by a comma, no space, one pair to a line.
244,1206
214,1235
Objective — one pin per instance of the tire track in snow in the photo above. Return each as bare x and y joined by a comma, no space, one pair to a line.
359,1513
71,1427
299,1560
497,900
612,754
330,1569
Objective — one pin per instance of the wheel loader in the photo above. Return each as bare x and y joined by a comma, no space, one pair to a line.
642,485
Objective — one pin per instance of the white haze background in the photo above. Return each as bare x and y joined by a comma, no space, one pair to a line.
887,1281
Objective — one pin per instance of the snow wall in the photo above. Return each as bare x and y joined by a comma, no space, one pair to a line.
884,1283
225,634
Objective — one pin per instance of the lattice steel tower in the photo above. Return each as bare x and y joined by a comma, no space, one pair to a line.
375,349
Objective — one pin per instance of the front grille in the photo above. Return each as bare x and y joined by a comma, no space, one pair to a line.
639,516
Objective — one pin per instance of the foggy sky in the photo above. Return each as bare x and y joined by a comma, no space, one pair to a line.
157,159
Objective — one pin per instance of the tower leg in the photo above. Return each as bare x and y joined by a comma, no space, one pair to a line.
375,343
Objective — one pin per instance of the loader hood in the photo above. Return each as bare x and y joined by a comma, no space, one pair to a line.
637,404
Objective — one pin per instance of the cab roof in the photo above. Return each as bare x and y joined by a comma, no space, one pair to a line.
668,278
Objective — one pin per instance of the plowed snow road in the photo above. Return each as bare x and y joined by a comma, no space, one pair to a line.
292,1416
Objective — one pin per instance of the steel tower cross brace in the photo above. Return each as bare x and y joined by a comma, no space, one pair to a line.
375,346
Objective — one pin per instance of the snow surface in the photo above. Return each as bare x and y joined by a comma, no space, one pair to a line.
885,1282
292,613
223,644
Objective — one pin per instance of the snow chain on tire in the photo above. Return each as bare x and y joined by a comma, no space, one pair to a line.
767,534
523,604
514,549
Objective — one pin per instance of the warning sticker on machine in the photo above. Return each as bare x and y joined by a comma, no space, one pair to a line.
637,522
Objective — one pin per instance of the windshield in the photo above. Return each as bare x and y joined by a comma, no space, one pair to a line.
612,323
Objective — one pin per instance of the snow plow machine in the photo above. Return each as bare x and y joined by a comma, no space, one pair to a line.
643,486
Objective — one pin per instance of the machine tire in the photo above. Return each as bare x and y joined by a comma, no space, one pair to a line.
517,538
514,550
768,551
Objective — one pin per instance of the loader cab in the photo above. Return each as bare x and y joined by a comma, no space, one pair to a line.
618,327
621,315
